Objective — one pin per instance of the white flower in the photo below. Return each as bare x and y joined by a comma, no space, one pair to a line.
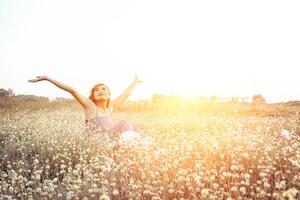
276,196
243,190
38,190
285,133
45,188
262,174
147,141
147,192
13,174
261,194
215,186
267,185
245,155
104,197
11,189
204,193
36,161
280,185
291,193
170,191
115,192
233,189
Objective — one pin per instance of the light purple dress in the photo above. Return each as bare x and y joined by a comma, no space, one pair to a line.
104,124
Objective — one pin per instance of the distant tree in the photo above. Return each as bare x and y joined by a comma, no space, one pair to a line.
293,103
4,93
258,99
32,98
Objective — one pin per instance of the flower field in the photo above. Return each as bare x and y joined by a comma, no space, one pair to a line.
46,154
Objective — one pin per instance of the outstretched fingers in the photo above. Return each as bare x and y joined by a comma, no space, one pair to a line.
137,79
38,78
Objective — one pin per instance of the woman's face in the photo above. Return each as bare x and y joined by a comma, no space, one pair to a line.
101,93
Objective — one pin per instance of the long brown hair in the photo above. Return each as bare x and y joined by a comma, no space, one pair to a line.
91,97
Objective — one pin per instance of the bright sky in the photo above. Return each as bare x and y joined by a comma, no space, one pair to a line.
200,48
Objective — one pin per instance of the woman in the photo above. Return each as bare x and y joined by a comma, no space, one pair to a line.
98,107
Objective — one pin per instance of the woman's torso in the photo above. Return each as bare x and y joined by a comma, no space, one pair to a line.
102,122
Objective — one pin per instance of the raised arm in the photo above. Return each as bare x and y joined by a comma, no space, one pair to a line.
84,102
118,102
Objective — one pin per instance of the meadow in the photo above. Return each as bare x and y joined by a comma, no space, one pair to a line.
46,154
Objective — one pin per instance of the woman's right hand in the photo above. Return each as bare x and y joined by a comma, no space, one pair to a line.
137,79
38,78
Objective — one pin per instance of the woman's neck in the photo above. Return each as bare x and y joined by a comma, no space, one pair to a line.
101,104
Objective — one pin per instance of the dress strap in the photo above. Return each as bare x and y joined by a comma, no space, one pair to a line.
109,111
110,114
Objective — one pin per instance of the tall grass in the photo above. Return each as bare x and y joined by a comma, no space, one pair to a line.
46,154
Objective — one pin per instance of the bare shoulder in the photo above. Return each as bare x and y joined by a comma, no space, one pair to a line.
111,108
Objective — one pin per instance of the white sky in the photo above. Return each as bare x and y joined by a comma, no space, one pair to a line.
203,48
